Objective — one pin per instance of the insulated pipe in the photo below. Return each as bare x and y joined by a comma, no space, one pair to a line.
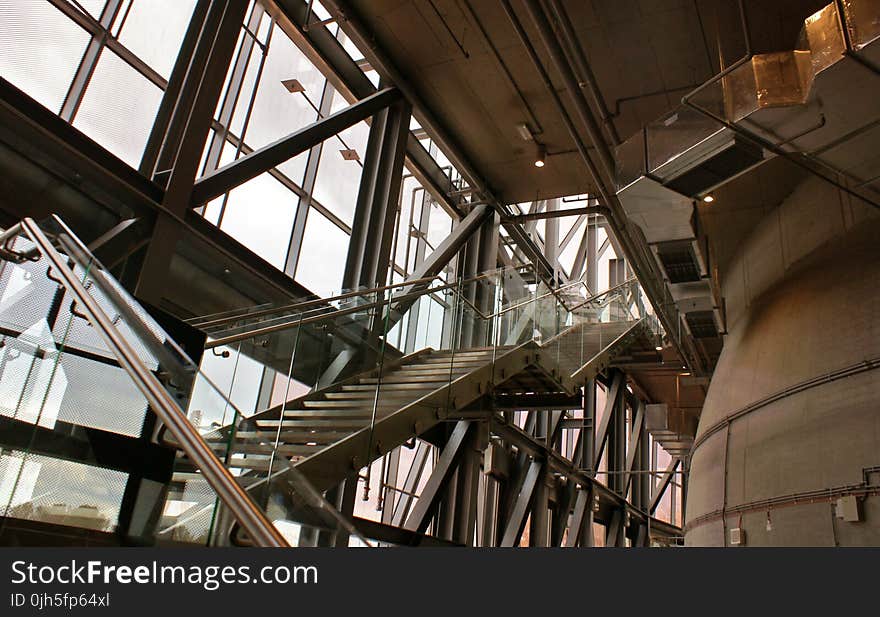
588,80
616,216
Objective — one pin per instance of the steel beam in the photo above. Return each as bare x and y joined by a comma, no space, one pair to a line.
369,251
413,477
615,532
441,255
581,514
555,214
610,410
667,477
229,176
420,516
202,87
172,92
514,525
635,444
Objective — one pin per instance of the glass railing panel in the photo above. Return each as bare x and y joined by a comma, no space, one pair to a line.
173,499
65,406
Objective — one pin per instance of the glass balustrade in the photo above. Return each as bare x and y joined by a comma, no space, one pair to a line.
352,377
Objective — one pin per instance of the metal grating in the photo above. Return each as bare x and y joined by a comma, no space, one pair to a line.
679,262
702,324
723,166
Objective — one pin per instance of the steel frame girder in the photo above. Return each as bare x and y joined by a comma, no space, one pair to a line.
193,116
439,257
369,251
413,476
443,471
581,514
615,533
514,526
607,415
664,484
218,182
635,443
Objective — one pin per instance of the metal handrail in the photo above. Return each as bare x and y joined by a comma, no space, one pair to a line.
321,301
322,317
248,514
295,323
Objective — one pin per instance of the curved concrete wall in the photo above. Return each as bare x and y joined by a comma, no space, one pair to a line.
794,404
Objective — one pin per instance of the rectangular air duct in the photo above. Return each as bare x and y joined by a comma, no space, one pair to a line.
679,261
702,324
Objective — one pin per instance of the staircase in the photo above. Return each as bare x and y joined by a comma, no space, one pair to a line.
334,432
95,393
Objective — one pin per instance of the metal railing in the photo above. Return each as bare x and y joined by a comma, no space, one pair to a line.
239,503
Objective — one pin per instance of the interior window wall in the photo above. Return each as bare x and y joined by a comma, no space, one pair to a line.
102,65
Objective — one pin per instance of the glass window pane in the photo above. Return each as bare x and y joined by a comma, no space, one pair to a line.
154,30
41,49
278,112
259,214
93,7
338,179
439,226
118,108
322,258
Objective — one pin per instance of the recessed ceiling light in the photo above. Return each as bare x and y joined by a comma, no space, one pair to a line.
658,348
708,199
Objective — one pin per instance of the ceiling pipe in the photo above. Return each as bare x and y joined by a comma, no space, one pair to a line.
635,250
585,71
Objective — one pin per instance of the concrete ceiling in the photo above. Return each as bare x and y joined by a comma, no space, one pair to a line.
644,53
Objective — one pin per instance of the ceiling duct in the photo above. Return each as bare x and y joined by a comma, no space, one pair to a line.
679,261
702,324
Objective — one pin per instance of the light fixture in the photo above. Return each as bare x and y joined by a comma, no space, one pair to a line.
540,156
708,199
525,132
293,85
659,348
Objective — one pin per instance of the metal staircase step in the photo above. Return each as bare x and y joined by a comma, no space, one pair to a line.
319,412
384,393
433,370
409,387
302,436
395,378
284,449
452,361
353,403
342,423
